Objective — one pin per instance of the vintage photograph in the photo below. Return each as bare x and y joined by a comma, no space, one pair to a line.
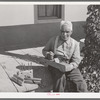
50,47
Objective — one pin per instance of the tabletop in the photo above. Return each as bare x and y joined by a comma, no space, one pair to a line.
9,62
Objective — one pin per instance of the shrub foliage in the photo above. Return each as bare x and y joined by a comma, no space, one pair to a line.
90,65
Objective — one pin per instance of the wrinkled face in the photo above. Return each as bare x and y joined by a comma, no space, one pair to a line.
65,32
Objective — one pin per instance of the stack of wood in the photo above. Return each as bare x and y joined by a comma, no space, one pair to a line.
25,76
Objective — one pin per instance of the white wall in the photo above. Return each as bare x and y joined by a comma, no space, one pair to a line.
76,12
24,14
16,14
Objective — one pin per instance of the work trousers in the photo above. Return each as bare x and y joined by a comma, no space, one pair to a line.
71,81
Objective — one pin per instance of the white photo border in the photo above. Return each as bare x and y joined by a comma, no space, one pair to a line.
49,95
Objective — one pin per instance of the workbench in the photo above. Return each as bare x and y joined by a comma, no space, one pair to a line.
9,60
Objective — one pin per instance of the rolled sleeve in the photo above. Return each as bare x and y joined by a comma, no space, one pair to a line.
48,47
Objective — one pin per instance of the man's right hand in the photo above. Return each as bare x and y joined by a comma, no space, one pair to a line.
50,55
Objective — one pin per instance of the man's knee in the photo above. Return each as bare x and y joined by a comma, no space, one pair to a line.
77,78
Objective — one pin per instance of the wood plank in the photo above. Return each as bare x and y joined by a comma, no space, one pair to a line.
26,87
10,65
31,87
5,83
40,71
29,51
22,58
33,51
16,51
41,59
39,49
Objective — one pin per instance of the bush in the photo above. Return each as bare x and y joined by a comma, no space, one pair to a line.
90,65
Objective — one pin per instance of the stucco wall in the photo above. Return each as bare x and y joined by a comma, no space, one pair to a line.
17,28
24,36
24,14
16,15
76,12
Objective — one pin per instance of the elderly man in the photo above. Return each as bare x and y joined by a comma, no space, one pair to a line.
65,50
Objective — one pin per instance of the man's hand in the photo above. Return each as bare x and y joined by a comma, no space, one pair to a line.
56,60
66,68
50,55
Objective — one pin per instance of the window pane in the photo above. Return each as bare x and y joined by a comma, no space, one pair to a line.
58,11
41,10
49,11
55,10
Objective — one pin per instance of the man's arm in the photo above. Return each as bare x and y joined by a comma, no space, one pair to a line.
75,60
48,47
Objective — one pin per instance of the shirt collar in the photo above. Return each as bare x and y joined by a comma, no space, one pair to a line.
67,42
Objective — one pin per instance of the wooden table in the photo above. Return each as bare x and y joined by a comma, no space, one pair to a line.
9,60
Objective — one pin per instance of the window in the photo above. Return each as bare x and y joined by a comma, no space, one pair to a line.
48,13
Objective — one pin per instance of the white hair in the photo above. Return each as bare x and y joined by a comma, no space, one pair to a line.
67,23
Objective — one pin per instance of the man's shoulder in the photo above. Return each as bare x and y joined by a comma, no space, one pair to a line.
53,38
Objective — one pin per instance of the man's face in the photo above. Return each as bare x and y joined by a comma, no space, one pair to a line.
65,33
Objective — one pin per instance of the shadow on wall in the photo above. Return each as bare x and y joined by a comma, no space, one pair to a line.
37,35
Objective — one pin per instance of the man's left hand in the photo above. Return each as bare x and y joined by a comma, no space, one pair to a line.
68,67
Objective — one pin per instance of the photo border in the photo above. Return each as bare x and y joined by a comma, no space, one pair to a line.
49,1
50,98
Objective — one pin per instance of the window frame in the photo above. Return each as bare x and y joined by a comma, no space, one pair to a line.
36,20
